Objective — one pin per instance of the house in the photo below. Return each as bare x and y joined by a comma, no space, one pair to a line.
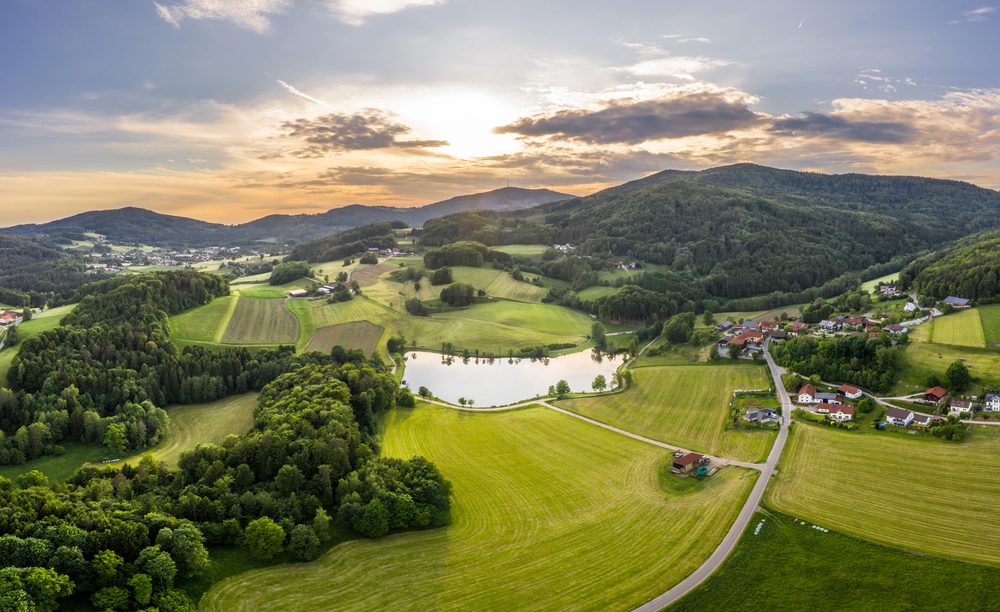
824,408
747,339
890,291
991,403
298,293
687,462
850,391
777,335
723,343
769,325
807,394
830,398
909,307
960,407
922,420
854,322
896,329
830,326
761,415
797,327
750,325
956,302
900,417
842,414
725,325
935,394
8,316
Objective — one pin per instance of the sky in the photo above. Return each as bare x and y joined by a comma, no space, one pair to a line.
229,110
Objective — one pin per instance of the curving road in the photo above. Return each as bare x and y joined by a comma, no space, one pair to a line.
753,502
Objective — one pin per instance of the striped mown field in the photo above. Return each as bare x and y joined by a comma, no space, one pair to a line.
261,321
197,424
684,405
572,514
990,318
963,328
926,496
205,323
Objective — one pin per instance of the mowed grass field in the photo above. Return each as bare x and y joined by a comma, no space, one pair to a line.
542,317
526,250
963,328
261,321
684,405
58,467
368,275
925,496
356,335
496,283
548,513
792,566
990,318
197,424
206,323
428,332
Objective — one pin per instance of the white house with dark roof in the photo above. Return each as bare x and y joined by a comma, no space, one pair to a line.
991,403
900,417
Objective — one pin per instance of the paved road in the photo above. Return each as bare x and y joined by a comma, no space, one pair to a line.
753,502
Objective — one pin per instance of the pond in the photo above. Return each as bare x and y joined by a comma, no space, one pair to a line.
504,381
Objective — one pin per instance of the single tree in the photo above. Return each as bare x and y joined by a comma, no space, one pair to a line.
958,376
562,388
264,538
600,383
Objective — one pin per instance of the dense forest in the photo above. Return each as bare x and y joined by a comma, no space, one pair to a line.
872,363
745,230
970,268
126,538
102,374
350,242
34,274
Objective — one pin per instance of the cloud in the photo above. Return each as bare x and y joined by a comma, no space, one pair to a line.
976,15
686,38
831,126
874,78
249,14
356,12
680,115
677,66
338,132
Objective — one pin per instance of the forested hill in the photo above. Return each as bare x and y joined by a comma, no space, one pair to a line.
746,230
350,242
32,273
141,226
970,268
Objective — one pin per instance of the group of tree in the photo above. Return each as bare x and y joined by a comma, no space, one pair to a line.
458,294
871,363
33,273
289,271
124,538
464,253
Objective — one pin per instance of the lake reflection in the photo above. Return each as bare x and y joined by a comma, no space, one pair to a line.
502,381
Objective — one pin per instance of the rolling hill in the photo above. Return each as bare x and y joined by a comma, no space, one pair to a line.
745,230
969,268
138,225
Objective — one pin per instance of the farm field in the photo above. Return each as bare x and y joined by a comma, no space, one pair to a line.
925,496
963,328
265,290
368,275
924,358
205,323
526,250
356,335
572,514
684,405
496,283
755,315
196,424
428,332
542,317
261,321
918,582
592,293
990,318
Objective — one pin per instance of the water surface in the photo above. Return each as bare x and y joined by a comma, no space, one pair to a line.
503,381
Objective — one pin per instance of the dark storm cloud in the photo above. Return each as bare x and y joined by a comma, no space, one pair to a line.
634,122
839,128
338,132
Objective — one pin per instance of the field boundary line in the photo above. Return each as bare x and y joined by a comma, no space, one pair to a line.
220,331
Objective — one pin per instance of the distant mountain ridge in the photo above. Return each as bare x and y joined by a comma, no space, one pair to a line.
134,224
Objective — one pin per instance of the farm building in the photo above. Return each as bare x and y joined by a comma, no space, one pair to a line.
725,325
935,394
956,302
830,398
688,462
900,417
850,391
298,293
807,394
